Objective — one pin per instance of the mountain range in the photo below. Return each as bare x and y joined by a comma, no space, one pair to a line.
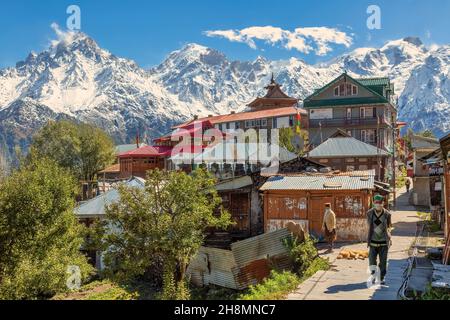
76,79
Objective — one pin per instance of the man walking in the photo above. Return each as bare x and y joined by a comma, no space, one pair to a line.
407,184
379,239
329,226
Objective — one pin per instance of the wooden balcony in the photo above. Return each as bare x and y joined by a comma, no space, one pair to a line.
345,122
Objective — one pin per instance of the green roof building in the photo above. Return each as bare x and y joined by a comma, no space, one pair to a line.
364,109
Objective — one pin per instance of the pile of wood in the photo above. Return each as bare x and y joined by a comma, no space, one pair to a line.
353,254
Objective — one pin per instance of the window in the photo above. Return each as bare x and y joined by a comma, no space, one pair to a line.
345,90
257,123
363,167
342,90
323,160
274,123
349,113
263,122
362,159
249,123
350,160
237,125
368,112
228,125
369,135
350,168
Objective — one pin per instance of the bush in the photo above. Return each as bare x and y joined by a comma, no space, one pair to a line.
306,262
99,290
302,253
275,287
435,294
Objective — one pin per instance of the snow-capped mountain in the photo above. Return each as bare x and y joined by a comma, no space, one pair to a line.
77,79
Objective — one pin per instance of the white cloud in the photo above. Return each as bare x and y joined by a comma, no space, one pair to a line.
305,40
62,36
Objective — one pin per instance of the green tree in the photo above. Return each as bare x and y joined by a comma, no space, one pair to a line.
39,234
286,137
82,148
166,220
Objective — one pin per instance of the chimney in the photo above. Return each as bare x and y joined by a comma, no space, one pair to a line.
233,112
210,115
196,117
137,140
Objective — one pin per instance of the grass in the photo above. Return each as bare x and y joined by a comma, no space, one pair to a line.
434,294
280,284
99,290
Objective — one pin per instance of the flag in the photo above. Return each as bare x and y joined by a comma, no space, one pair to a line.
298,124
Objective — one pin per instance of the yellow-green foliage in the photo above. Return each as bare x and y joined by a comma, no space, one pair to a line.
306,263
401,178
39,234
99,290
275,287
166,221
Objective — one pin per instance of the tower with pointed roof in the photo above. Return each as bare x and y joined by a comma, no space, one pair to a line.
274,98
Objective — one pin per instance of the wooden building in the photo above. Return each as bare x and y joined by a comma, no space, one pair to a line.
300,198
137,162
445,147
273,111
421,147
364,108
345,153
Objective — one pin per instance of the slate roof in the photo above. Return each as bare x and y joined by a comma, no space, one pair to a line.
357,180
345,147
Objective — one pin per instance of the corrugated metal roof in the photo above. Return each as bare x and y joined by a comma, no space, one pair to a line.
345,147
96,207
375,81
268,244
345,181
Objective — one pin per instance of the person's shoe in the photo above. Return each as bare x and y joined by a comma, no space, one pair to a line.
383,282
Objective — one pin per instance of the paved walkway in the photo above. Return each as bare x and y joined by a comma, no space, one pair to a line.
346,280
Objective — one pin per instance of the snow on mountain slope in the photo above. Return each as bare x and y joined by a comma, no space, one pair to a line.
76,78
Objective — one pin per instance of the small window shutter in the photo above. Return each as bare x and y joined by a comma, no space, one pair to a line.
374,112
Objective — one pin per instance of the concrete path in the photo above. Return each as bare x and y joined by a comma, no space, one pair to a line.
347,279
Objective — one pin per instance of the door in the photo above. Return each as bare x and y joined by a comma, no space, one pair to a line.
316,214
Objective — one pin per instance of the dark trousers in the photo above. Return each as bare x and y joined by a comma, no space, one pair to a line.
382,254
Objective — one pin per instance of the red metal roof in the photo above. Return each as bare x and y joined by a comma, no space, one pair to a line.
147,151
251,115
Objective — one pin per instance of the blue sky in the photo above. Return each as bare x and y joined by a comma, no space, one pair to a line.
146,31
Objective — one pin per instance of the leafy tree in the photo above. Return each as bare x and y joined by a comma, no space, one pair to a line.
164,221
39,234
286,137
427,134
82,148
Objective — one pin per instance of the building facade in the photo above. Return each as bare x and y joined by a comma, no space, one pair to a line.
364,108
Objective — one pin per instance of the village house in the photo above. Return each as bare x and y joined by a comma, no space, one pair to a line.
364,108
300,198
91,210
345,153
445,148
273,111
420,147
